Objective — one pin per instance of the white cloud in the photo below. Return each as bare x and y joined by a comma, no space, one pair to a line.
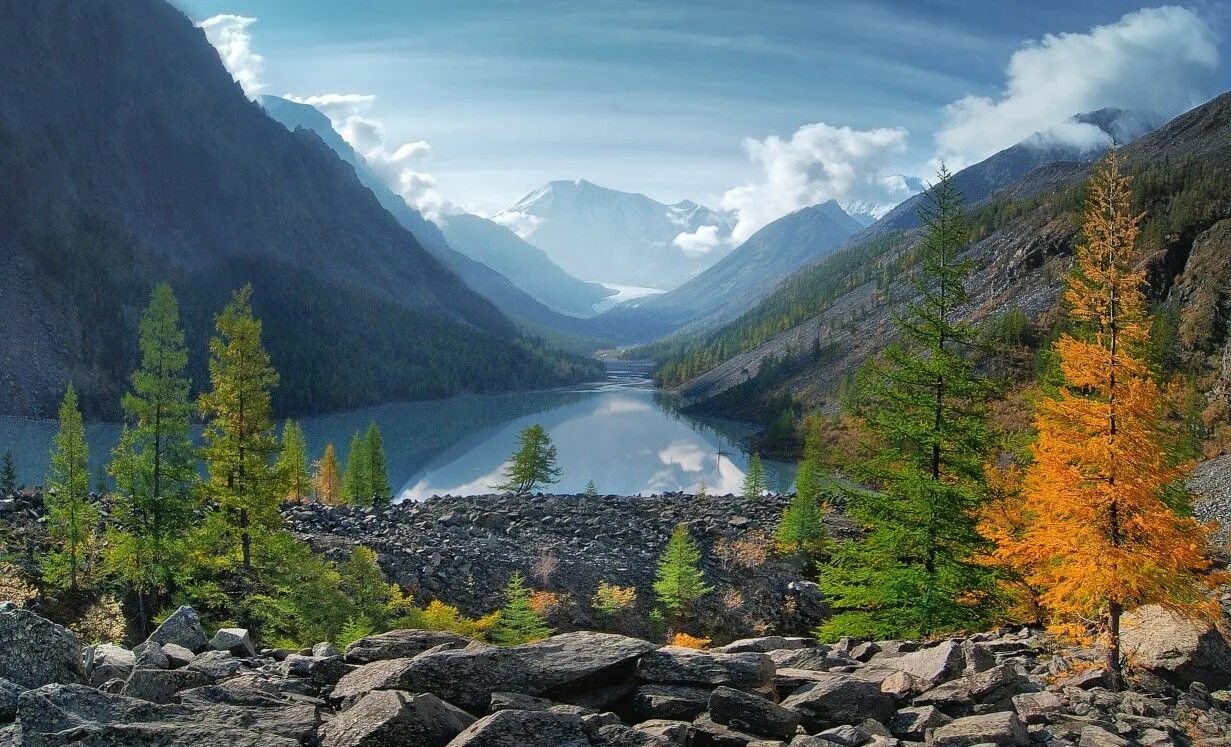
700,241
1160,60
819,162
522,224
684,454
228,33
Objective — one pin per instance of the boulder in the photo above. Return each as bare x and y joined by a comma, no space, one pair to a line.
670,702
619,735
177,655
161,685
839,699
913,723
1179,650
746,712
523,728
994,686
933,665
766,644
1002,728
518,702
709,733
387,718
846,736
150,655
234,641
1093,735
582,659
325,650
819,659
1037,708
674,665
216,665
37,652
400,644
382,674
182,628
108,662
9,693
466,678
675,732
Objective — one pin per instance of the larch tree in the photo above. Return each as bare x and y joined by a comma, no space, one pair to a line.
378,471
754,478
801,531
72,518
328,482
357,481
154,465
293,463
240,443
533,464
679,581
1102,536
916,572
519,622
8,474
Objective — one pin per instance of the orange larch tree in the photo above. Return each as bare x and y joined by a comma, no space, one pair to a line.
1101,537
327,480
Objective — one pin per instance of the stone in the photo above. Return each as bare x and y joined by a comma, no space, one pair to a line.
619,735
993,686
37,652
839,699
863,652
518,702
107,662
1037,708
913,723
1001,728
400,644
466,678
708,733
674,665
582,658
675,732
1093,735
182,628
846,735
900,684
9,693
234,641
161,685
325,649
746,712
819,659
382,674
766,644
177,655
150,655
523,728
933,665
1179,650
387,718
216,665
670,702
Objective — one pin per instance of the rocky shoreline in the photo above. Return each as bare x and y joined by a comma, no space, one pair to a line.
1013,687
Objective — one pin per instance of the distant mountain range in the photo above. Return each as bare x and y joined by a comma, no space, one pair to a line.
131,157
625,238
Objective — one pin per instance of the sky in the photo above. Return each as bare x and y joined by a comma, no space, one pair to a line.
755,107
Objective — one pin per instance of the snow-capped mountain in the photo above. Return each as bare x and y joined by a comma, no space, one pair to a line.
625,238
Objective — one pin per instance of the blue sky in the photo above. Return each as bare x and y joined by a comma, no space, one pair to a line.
661,97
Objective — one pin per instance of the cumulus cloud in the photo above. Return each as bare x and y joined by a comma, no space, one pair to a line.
228,33
1160,60
700,241
819,162
522,224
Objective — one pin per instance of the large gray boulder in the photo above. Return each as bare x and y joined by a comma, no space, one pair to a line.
9,693
466,678
161,685
996,686
216,665
582,659
674,665
234,641
932,665
913,723
182,628
670,702
35,651
384,674
400,644
766,644
1002,728
1179,650
523,728
107,661
839,699
388,718
746,712
150,655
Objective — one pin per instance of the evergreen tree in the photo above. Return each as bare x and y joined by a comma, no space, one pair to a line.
916,571
679,581
240,443
378,473
357,482
1101,535
154,465
533,464
71,518
591,490
365,587
754,480
293,463
8,474
519,622
327,482
801,532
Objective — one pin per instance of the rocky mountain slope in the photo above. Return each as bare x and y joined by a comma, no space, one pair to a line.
121,173
736,282
843,306
603,234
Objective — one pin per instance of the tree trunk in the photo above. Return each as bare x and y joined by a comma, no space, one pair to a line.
1115,676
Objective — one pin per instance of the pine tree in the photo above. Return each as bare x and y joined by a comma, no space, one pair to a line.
591,490
754,480
293,463
239,434
378,473
679,581
1101,537
357,482
519,622
154,465
327,482
533,464
8,474
916,571
71,518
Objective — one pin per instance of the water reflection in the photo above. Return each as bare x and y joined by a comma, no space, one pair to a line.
622,434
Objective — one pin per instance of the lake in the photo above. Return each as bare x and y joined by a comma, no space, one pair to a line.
623,434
